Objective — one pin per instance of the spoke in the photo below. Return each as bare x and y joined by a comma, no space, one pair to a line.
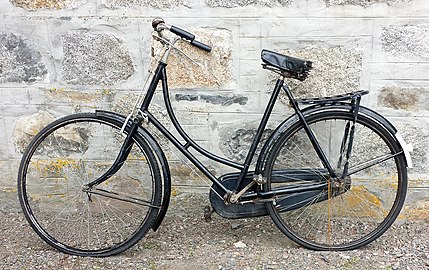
364,209
81,240
371,163
87,222
329,240
306,207
122,197
311,200
70,201
94,231
299,159
112,208
304,173
106,217
118,231
313,224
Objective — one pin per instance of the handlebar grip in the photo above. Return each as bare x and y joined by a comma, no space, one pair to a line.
182,33
201,46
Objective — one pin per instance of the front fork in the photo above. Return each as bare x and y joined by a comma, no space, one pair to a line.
120,159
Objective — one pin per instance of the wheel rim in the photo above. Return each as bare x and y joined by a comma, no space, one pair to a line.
348,216
58,166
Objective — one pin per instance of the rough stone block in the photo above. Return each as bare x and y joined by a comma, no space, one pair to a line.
406,40
240,3
403,98
47,4
216,67
186,174
363,3
416,133
223,100
94,59
28,127
20,60
417,211
80,98
235,140
336,70
163,4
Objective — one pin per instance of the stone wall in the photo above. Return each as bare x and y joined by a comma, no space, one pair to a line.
64,56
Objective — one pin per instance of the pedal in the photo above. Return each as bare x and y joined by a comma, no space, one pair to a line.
208,211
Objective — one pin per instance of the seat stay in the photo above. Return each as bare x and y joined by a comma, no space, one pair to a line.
321,154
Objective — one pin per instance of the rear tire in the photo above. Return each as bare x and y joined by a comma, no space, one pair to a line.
347,214
72,152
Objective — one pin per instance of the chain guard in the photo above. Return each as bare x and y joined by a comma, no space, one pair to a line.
287,203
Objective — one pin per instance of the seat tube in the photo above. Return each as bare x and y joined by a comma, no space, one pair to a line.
259,132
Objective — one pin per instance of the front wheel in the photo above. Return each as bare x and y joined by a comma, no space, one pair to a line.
104,220
350,211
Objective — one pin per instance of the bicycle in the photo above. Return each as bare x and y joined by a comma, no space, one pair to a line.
332,176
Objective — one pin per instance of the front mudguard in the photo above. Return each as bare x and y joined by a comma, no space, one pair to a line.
160,156
340,106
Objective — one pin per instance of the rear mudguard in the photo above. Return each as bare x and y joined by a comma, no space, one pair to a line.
340,106
162,161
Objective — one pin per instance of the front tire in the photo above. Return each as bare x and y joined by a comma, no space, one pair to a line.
64,157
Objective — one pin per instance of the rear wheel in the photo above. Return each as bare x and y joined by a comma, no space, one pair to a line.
350,211
112,216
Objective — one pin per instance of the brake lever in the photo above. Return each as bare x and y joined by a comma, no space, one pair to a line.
166,41
187,56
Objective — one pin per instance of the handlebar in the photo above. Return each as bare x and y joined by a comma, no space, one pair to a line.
158,25
182,33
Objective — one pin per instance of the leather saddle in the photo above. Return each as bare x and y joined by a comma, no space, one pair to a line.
286,65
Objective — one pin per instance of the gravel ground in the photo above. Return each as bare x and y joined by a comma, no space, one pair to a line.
186,241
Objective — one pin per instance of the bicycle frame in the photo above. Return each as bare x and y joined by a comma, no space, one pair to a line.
160,75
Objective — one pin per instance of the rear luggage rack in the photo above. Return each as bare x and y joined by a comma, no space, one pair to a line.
333,99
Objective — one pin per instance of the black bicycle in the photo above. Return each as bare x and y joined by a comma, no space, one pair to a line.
332,176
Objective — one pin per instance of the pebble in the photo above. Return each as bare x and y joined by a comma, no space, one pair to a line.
180,245
240,245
